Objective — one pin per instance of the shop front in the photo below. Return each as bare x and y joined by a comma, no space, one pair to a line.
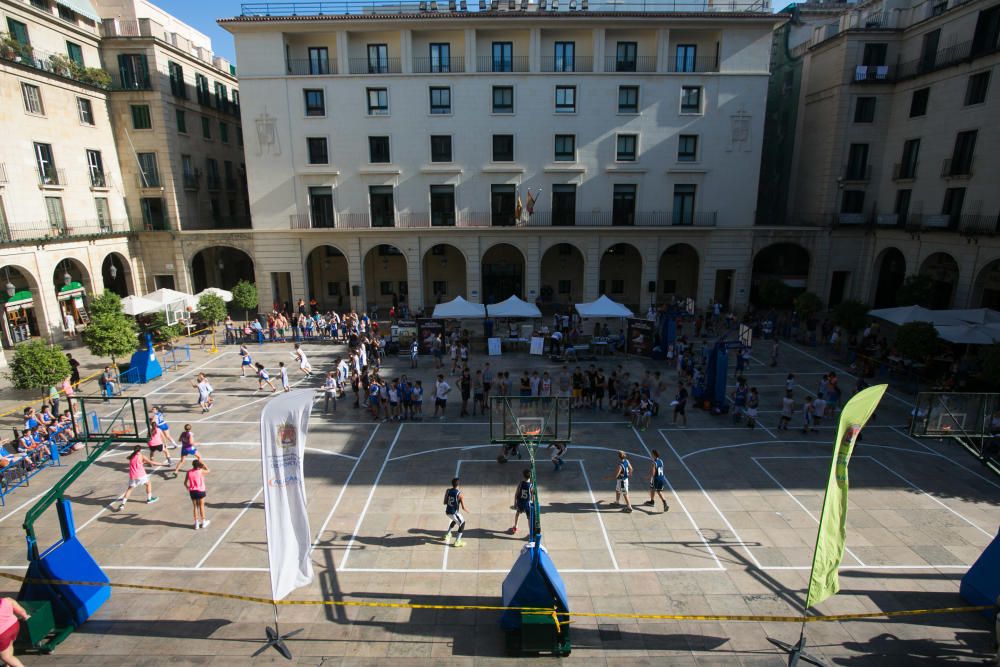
19,322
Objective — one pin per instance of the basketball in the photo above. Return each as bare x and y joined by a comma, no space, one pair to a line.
501,459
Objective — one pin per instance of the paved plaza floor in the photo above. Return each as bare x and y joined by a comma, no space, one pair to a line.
738,539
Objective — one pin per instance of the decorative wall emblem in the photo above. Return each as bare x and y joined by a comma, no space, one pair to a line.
739,139
268,142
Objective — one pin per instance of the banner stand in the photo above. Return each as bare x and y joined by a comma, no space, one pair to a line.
276,639
797,651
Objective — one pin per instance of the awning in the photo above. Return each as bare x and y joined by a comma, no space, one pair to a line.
459,309
603,307
22,298
67,292
82,7
513,306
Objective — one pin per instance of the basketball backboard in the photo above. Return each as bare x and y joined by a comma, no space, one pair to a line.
119,418
518,419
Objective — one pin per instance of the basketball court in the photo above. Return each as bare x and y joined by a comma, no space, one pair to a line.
738,538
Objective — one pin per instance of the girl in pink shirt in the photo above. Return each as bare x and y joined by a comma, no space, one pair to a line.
194,482
10,611
137,476
155,442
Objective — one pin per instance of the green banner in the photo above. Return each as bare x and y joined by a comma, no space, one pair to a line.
832,533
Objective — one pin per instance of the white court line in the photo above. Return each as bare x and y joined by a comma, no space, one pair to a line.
987,534
624,570
944,456
711,502
841,371
467,447
798,442
313,420
184,375
371,494
600,519
21,506
229,528
711,551
343,488
254,402
796,500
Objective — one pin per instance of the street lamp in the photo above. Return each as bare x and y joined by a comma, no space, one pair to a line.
113,270
10,288
67,279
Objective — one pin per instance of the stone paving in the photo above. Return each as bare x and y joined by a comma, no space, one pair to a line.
737,540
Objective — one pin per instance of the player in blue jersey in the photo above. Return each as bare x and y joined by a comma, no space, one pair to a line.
522,500
161,422
453,502
622,473
657,482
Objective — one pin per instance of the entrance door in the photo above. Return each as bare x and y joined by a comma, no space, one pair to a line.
500,281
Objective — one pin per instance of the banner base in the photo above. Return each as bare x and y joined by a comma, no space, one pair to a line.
276,640
797,652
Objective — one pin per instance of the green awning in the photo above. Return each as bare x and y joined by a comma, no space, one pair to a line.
81,7
69,291
22,298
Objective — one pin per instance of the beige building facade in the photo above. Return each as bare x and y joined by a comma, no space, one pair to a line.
554,155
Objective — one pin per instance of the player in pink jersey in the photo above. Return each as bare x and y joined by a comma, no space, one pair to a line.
137,476
194,482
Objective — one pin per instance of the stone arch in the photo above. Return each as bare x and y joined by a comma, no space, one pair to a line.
780,272
502,270
117,275
620,275
73,287
444,269
986,291
21,322
328,277
385,276
943,271
890,266
677,273
562,272
222,266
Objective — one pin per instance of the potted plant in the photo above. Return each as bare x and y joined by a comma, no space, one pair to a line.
8,46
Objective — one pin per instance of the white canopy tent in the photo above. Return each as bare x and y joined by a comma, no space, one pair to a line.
976,315
137,305
969,334
225,295
164,297
460,309
513,307
603,307
906,314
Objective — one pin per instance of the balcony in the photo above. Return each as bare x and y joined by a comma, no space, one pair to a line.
904,171
873,74
366,7
134,81
423,65
889,220
381,66
49,177
149,181
481,219
214,182
932,223
851,219
951,168
309,67
699,64
977,225
857,173
512,64
642,64
231,222
99,180
56,64
575,64
192,181
41,231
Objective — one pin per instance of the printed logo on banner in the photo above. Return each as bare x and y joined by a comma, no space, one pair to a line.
287,435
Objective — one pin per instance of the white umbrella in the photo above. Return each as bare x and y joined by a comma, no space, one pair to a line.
906,314
969,334
976,315
225,295
137,305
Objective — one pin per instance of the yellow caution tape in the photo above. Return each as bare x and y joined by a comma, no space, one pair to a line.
524,610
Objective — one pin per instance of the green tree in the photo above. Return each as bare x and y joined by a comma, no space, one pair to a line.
38,365
851,315
773,293
917,340
245,296
808,304
112,335
990,357
916,290
163,332
211,308
107,302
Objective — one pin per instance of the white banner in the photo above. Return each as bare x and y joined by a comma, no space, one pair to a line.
284,424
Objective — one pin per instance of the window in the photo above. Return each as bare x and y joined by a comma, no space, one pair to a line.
625,147
503,56
902,206
690,99
19,31
321,207
686,58
440,100
47,174
623,205
687,148
317,150
378,101
206,127
181,121
315,102
928,51
382,209
224,132
32,99
857,163
201,88
628,99
908,163
154,213
962,154
986,38
385,288
141,119
221,97
65,13
95,164
103,213
503,99
683,204
864,110
853,201
442,206
188,171
439,287
216,209
874,54
565,99
378,149
440,60
440,148
565,60
625,56
56,214
918,102
230,175
503,147
149,174
74,52
86,110
954,198
565,148
563,205
502,205
319,60
177,87
378,58
133,71
212,174
975,89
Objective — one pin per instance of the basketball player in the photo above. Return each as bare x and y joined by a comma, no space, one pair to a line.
453,502
621,476
657,482
522,501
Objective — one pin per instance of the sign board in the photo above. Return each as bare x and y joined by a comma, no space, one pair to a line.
527,331
639,337
689,306
537,345
427,330
746,336
406,331
494,346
